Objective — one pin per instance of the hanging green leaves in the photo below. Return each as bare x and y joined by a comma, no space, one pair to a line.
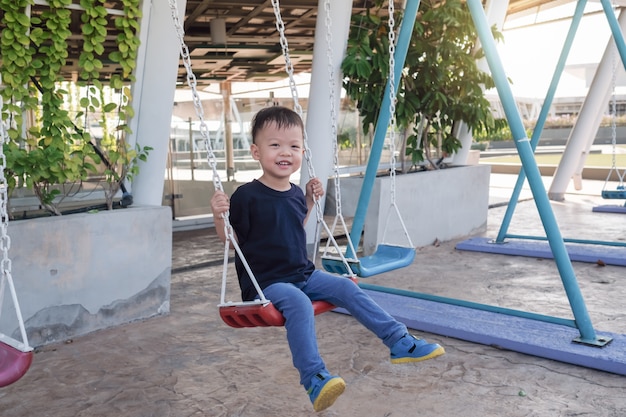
440,85
51,149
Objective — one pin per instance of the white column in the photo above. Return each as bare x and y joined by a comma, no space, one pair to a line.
464,135
153,97
496,14
586,128
225,89
318,123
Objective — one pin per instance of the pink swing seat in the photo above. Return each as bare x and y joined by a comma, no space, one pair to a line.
13,364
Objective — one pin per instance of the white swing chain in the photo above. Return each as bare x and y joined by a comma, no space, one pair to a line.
333,138
5,244
280,27
333,110
212,160
620,175
284,44
197,102
392,125
392,101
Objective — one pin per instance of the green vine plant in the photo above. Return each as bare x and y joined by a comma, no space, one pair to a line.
51,148
441,84
45,152
117,159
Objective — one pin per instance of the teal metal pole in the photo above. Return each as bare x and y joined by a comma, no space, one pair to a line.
557,245
470,304
545,109
616,30
380,132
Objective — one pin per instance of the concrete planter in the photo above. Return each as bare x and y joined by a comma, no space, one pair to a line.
439,205
79,273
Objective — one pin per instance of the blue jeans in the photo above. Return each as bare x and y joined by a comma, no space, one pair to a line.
294,302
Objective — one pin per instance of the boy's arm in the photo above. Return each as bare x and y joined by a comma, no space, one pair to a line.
220,204
314,190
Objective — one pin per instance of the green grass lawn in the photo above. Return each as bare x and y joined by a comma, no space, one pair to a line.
593,160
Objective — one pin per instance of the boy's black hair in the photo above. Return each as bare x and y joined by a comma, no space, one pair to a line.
282,116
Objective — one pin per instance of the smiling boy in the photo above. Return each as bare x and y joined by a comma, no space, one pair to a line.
268,217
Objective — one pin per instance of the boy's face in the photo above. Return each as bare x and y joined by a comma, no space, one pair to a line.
278,150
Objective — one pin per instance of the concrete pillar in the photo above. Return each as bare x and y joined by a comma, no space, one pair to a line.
584,131
318,122
228,131
153,96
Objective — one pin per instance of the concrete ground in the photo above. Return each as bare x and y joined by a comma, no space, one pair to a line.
189,363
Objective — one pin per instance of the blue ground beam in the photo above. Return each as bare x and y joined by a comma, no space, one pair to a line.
533,337
609,255
609,208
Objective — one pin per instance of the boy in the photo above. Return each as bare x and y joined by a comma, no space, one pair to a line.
268,217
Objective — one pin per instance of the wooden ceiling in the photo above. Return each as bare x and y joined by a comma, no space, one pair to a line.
252,49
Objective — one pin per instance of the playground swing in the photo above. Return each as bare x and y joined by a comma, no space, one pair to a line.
387,257
620,191
259,312
15,356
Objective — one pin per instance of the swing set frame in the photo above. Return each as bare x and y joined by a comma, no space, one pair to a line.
612,194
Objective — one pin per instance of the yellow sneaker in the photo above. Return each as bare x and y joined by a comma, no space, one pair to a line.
410,349
325,389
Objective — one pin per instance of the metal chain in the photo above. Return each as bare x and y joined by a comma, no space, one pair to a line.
280,26
392,101
392,126
197,102
333,110
5,239
333,139
614,106
620,176
614,167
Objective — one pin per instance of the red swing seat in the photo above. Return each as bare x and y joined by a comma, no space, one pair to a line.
259,315
13,364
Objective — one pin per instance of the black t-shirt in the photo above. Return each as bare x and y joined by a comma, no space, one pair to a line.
270,232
